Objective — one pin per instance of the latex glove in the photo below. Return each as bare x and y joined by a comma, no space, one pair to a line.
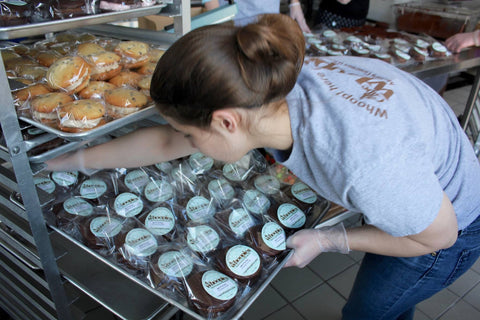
309,243
296,13
461,40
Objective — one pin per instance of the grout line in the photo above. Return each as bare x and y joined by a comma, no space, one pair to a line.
289,303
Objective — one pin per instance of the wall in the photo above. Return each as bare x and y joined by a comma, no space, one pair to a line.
381,10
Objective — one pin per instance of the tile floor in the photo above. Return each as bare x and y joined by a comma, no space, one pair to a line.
320,290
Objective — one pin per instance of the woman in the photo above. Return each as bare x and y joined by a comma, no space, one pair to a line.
360,132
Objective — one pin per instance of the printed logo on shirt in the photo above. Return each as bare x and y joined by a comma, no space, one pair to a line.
376,90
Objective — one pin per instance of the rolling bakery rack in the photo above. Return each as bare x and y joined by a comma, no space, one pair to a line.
43,274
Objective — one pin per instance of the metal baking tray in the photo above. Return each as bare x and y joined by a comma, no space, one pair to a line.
237,310
102,130
33,29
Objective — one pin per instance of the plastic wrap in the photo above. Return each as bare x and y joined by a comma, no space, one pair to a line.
209,249
398,48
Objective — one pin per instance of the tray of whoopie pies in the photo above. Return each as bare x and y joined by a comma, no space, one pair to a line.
79,86
190,230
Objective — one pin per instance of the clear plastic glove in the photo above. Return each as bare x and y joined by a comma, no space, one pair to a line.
460,41
309,243
296,13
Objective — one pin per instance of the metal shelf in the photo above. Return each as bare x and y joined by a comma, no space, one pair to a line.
24,295
35,29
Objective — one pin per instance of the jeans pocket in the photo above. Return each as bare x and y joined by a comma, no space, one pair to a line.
467,258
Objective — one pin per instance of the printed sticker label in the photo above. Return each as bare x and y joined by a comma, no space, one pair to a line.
160,221
274,236
135,180
303,193
256,202
202,238
200,162
65,178
220,189
78,206
128,204
242,260
175,264
93,188
158,191
267,184
140,242
199,208
46,184
240,221
165,167
219,286
105,227
291,216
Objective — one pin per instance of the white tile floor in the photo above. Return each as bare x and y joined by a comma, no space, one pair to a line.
320,290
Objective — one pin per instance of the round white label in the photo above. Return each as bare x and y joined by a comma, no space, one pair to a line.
267,184
303,193
274,236
220,189
291,216
202,238
139,242
105,227
158,191
200,162
437,46
184,175
242,260
128,204
240,221
256,202
160,221
234,172
78,206
93,188
165,167
199,208
175,264
219,286
46,184
135,180
65,178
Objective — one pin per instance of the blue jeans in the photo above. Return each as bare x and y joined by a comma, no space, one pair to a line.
388,288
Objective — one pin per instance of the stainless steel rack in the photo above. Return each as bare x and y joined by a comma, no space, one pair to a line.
44,275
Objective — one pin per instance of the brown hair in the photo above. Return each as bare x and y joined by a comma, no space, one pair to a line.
220,66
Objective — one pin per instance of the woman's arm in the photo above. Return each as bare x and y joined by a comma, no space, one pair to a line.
141,147
440,234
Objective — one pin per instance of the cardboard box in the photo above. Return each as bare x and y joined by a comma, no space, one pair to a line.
157,22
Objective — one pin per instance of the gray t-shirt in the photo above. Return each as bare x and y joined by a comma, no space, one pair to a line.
377,140
247,10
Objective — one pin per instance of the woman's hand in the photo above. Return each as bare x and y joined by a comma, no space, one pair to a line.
309,243
296,13
460,41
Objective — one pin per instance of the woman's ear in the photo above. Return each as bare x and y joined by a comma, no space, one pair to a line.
226,119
